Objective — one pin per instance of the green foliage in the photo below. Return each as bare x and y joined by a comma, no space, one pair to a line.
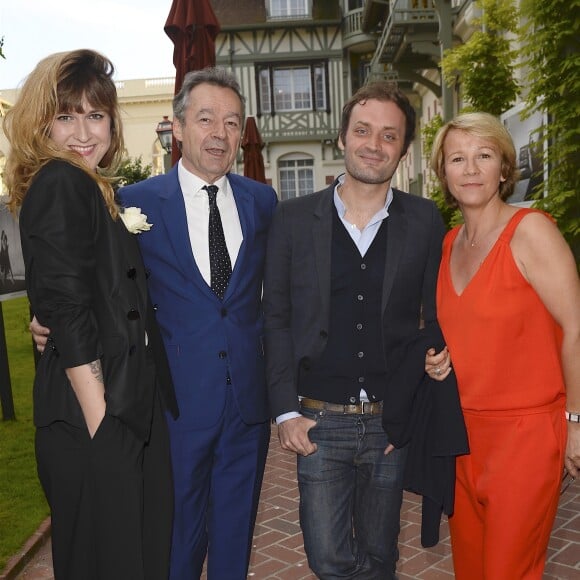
551,57
22,503
132,170
484,64
451,216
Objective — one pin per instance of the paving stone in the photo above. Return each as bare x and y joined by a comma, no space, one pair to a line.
278,546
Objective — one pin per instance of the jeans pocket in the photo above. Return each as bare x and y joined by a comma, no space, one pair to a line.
312,415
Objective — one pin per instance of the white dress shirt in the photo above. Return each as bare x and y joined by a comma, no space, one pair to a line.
197,213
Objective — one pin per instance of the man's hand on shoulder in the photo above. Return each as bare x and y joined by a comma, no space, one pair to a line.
293,435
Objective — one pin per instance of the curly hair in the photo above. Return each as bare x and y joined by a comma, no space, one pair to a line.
485,126
60,83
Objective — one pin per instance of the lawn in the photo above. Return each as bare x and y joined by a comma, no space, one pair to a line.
22,503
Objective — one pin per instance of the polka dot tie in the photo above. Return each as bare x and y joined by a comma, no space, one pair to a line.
219,259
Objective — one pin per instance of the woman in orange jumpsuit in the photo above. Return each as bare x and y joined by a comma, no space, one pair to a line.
508,302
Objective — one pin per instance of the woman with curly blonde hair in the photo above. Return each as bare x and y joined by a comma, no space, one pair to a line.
101,439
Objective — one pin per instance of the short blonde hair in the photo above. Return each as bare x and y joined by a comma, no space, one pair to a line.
485,126
59,84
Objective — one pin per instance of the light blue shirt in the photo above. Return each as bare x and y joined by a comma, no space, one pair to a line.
362,238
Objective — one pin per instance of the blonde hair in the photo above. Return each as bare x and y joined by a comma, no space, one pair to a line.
59,84
485,126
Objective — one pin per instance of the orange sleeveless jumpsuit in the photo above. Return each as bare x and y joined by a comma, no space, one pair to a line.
505,349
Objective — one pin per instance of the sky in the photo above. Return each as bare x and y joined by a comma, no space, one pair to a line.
129,32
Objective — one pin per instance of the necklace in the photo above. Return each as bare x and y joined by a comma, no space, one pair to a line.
473,243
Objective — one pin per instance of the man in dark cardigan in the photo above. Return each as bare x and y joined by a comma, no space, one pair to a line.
350,277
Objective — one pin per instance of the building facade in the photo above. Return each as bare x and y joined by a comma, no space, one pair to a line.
297,62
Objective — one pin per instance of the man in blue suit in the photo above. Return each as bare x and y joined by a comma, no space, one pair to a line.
213,338
214,344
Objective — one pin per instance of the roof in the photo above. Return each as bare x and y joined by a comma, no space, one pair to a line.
237,12
232,12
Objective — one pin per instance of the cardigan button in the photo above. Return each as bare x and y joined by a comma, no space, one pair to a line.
133,314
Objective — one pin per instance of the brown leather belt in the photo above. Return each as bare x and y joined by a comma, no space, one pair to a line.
362,408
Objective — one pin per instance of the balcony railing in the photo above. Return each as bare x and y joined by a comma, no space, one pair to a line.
352,32
353,23
403,13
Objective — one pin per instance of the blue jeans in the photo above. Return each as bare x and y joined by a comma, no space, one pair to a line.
350,498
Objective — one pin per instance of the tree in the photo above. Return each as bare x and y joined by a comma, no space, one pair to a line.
2,47
132,170
551,56
484,66
485,63
451,216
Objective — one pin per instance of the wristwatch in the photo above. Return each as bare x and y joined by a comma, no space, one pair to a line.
572,417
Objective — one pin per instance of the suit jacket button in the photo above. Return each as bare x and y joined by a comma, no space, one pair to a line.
155,307
132,273
147,272
132,350
223,354
133,314
224,312
323,334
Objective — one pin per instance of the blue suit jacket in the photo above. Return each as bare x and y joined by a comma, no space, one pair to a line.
207,340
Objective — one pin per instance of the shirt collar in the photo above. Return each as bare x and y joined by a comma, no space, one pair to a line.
190,182
341,208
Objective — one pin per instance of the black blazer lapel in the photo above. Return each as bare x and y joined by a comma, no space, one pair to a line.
322,238
396,240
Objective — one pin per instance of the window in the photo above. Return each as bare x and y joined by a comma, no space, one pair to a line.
293,88
281,8
296,175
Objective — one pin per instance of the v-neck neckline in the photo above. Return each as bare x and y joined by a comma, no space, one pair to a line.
481,264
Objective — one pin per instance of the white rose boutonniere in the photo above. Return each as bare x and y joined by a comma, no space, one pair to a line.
134,220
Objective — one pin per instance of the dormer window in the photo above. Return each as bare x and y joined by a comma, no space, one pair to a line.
288,8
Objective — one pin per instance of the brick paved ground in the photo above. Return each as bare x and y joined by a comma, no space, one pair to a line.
278,553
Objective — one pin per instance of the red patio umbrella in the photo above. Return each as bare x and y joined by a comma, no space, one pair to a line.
252,145
193,27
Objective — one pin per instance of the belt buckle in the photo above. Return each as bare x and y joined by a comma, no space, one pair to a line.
363,405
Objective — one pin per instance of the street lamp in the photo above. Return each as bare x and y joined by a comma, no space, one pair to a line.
164,132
